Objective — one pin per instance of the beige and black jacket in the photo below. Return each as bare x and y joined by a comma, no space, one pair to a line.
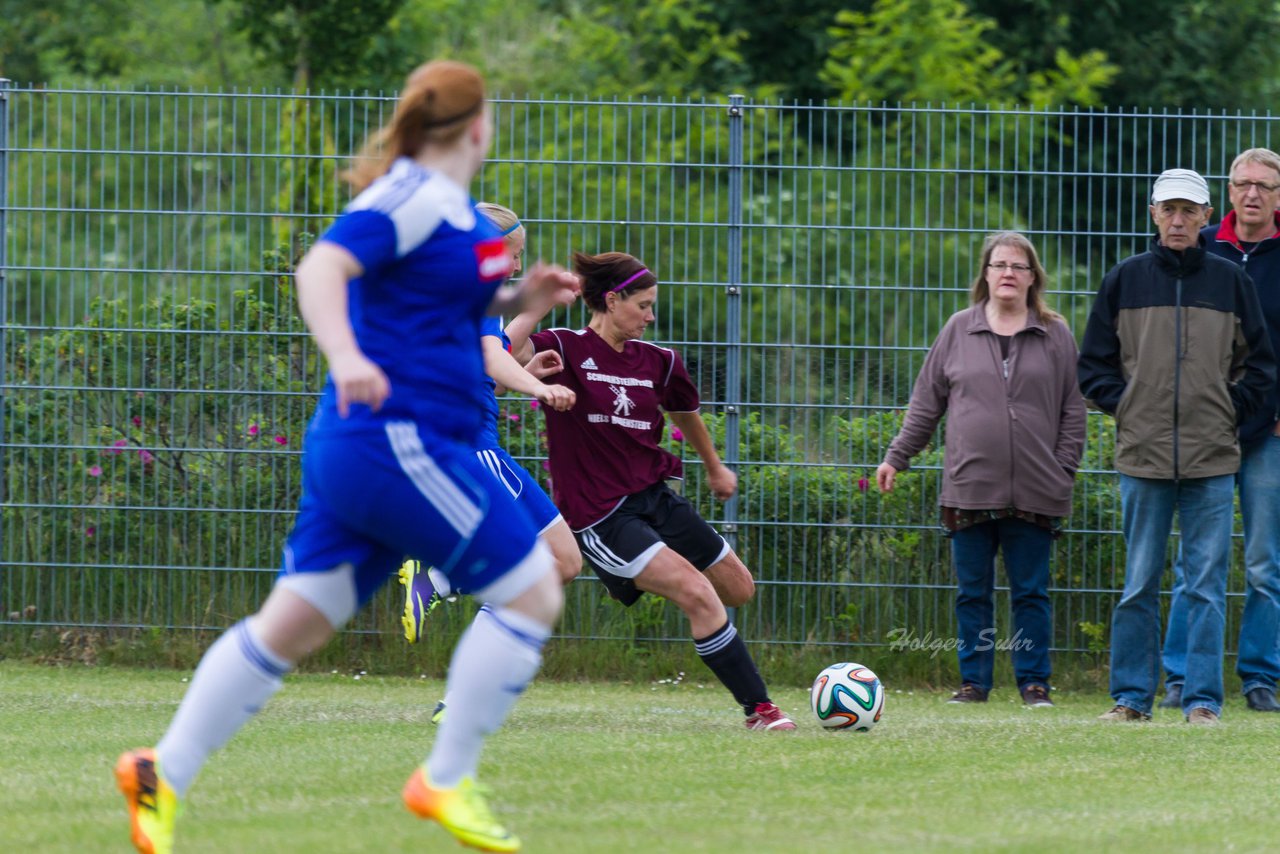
1177,350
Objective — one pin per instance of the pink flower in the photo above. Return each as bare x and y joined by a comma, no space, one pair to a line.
253,429
863,483
546,466
513,417
137,420
90,531
147,457
282,440
95,471
533,404
676,435
117,445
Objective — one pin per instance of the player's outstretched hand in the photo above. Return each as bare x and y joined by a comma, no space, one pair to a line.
557,397
550,285
543,288
358,380
545,363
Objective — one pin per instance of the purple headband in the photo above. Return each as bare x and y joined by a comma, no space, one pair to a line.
628,281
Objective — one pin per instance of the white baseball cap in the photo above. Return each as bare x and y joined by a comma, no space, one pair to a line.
1180,184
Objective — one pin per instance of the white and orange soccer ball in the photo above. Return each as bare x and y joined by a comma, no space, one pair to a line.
847,696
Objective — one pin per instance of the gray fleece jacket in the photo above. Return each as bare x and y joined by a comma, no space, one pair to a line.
1015,428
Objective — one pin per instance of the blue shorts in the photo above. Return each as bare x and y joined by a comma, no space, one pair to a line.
522,486
369,499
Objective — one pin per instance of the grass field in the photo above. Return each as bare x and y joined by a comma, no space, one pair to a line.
665,766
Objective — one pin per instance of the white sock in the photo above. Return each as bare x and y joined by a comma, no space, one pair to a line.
236,676
494,661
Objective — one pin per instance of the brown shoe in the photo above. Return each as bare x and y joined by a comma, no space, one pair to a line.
969,693
1123,713
1202,717
1036,696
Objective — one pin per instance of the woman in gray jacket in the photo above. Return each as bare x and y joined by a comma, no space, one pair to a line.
1003,371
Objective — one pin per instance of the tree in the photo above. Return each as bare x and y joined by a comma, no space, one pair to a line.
672,48
785,44
41,41
320,41
937,51
129,44
1178,53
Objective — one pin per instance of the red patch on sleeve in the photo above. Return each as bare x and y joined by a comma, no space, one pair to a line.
493,261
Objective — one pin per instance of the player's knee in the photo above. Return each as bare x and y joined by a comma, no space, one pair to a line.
553,600
564,548
738,592
291,626
732,581
699,600
568,567
331,593
542,601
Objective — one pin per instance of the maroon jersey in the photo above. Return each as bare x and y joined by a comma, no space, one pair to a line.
606,447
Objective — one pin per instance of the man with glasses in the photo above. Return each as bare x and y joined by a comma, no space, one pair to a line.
1249,235
1176,349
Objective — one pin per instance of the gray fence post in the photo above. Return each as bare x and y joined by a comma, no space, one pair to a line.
733,313
4,285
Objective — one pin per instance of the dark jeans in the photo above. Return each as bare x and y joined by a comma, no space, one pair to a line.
1026,548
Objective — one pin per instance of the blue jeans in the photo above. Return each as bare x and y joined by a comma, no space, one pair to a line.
1026,549
1258,663
1204,508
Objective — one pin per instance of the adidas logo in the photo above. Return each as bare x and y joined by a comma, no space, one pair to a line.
589,365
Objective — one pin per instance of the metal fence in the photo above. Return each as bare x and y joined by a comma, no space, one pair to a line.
156,379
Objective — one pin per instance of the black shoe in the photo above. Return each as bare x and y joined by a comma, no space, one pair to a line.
969,693
1262,699
1172,698
1036,695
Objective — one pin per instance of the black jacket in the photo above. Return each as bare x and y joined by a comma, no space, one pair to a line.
1262,263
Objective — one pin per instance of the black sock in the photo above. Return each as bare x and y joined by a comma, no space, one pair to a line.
726,654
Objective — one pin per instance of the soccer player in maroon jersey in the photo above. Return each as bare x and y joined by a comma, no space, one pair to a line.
609,473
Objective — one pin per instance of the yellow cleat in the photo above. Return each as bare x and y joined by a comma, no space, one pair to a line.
420,599
153,806
461,810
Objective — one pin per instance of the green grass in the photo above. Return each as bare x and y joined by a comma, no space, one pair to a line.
642,767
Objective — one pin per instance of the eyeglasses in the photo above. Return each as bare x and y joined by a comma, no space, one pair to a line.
1001,267
1245,186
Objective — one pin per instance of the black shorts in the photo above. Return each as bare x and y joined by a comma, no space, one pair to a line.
619,546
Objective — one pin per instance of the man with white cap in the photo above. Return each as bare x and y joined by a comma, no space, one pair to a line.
1176,349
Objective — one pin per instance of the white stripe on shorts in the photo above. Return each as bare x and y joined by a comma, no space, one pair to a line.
462,514
599,552
494,465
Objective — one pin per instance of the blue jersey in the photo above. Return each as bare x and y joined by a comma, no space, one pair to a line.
431,266
491,326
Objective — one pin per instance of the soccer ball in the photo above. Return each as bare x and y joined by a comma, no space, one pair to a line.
847,696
